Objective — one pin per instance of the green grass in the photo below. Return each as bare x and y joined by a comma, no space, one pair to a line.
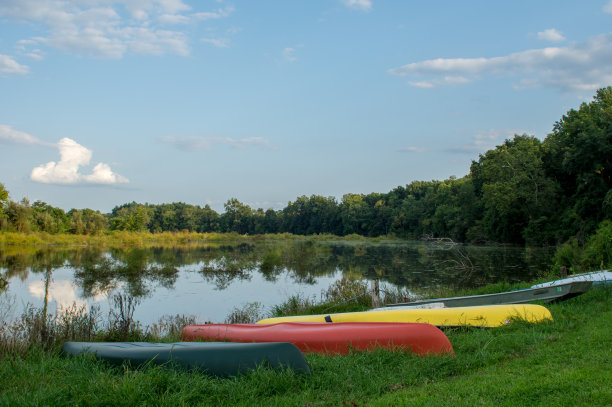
565,363
164,239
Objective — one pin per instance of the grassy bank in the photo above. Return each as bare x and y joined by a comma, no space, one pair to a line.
565,362
162,239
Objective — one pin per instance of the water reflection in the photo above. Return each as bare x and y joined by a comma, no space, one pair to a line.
91,273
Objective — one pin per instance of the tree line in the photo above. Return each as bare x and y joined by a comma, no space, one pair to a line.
524,191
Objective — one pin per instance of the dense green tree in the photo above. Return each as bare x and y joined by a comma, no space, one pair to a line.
456,208
578,153
355,213
273,221
516,192
87,222
47,218
238,217
3,201
132,217
20,215
208,220
312,215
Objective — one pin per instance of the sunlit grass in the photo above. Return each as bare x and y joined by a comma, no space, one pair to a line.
565,362
163,239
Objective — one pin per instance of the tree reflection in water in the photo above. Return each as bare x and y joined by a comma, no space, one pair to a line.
139,271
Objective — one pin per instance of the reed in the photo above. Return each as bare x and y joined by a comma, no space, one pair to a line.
35,328
249,313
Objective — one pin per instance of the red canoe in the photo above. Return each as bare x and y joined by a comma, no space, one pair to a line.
330,338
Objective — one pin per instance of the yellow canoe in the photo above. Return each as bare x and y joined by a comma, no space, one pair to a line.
481,316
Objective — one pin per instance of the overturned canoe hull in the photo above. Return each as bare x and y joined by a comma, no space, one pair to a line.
337,338
483,316
214,358
553,292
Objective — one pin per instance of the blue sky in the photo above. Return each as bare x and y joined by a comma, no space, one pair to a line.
106,102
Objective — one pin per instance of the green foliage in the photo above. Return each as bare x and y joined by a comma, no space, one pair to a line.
46,218
312,215
596,253
238,217
249,313
517,194
87,222
3,200
20,215
579,156
346,290
131,217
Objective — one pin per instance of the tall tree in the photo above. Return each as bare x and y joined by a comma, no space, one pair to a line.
3,200
238,217
578,153
515,190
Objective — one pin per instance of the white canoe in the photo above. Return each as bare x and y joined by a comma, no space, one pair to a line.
597,277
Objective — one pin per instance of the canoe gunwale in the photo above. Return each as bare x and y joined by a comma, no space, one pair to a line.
558,292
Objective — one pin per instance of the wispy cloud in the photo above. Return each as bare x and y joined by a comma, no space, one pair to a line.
411,150
217,42
12,136
207,143
364,5
73,156
482,141
608,7
577,67
551,35
110,29
289,54
8,65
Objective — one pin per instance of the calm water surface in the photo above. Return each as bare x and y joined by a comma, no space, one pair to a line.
209,282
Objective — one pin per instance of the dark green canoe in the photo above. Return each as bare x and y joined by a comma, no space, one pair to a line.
215,358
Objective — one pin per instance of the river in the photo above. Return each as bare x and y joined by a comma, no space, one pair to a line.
209,282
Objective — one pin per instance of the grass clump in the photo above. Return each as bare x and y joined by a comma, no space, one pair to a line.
249,313
344,295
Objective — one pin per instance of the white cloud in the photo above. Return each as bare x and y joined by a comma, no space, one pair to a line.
447,80
411,150
66,170
289,54
608,7
364,5
551,35
577,67
484,140
108,28
9,65
220,13
207,143
248,142
217,42
9,135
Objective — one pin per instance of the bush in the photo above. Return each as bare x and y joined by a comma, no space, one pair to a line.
595,254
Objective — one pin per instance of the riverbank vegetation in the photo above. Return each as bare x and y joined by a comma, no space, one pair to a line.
524,191
565,362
